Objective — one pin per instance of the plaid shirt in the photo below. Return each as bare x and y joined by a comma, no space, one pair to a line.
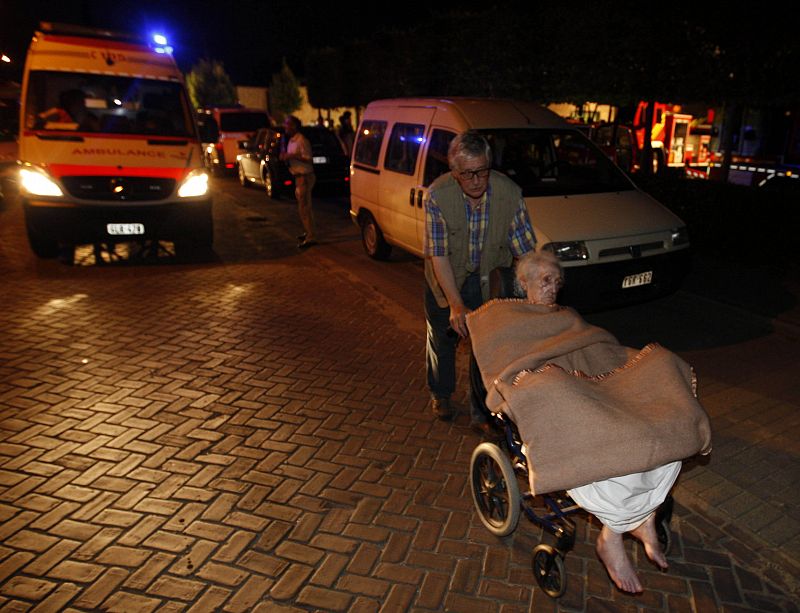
520,233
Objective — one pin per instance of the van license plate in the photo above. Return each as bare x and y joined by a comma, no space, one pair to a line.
320,159
125,229
642,278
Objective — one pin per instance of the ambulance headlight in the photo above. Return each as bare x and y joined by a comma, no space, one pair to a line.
196,184
37,183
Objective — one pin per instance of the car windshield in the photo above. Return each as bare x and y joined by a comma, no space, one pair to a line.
243,122
554,162
83,102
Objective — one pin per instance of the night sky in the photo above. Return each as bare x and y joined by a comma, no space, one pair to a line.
249,36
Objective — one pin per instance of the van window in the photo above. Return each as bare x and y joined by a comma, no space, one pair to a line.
554,162
404,145
370,138
101,103
208,128
436,161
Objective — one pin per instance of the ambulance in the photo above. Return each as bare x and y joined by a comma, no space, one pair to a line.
108,144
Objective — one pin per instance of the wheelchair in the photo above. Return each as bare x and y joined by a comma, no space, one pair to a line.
496,468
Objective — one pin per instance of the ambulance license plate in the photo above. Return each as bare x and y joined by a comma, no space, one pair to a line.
642,278
125,229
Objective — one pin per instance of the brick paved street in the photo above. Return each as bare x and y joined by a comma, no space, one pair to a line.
255,437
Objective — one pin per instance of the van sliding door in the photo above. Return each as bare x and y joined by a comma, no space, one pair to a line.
400,186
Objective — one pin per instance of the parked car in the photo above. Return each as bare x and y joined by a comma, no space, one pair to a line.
9,128
259,161
253,157
221,129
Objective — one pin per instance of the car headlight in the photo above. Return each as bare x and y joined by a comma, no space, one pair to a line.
196,184
680,236
568,252
37,183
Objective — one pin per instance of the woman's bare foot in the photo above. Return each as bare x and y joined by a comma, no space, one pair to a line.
611,552
647,534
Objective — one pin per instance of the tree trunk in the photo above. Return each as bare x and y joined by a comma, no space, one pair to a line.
731,124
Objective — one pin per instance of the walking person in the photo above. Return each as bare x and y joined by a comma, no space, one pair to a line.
299,157
475,221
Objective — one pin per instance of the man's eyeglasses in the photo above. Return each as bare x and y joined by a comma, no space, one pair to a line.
469,175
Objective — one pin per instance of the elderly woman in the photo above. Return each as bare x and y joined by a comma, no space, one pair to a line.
587,412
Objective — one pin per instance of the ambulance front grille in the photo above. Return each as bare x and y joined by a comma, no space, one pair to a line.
124,189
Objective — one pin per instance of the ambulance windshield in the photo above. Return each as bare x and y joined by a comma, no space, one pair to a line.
80,102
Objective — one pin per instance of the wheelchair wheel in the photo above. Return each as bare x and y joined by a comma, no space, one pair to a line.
663,518
664,535
548,569
494,489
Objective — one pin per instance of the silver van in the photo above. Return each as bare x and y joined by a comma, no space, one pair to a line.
617,244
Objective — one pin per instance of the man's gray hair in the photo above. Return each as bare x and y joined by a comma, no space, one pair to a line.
468,144
530,263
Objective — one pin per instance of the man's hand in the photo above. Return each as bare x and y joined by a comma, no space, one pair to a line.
458,319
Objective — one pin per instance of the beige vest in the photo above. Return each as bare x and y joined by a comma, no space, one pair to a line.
503,206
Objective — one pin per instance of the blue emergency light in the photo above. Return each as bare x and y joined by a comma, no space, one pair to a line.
161,44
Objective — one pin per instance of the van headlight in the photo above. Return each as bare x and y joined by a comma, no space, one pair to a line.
568,252
196,184
680,236
38,183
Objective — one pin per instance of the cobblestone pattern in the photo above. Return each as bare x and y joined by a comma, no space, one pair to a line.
256,438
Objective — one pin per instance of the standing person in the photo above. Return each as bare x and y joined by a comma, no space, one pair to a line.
346,132
299,157
475,221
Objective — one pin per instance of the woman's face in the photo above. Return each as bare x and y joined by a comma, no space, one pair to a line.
543,285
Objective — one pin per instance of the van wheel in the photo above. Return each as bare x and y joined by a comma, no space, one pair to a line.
372,238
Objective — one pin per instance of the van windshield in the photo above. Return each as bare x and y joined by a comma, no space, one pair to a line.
79,102
554,162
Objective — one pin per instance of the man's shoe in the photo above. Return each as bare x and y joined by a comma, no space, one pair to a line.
442,409
305,244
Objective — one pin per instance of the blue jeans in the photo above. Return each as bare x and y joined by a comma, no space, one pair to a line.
442,340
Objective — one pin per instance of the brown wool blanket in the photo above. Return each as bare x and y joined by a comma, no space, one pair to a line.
586,407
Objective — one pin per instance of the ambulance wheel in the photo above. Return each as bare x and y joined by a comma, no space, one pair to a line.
548,569
372,238
495,491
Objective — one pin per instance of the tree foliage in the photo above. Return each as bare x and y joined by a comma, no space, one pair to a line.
284,93
210,85
618,52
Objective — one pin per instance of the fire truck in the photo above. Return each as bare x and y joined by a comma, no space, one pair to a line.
671,139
